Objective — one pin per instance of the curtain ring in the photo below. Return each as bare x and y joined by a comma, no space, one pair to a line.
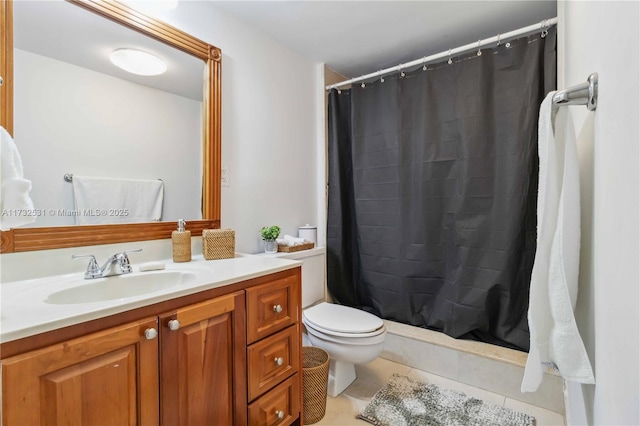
424,63
449,61
499,35
479,51
544,27
381,77
363,85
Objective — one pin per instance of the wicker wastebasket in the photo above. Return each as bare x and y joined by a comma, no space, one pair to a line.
315,375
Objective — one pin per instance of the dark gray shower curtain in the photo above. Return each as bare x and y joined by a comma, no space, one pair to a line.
432,192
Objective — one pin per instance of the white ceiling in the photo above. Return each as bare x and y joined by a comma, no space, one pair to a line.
359,37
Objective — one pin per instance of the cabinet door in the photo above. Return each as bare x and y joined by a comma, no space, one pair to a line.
203,363
109,377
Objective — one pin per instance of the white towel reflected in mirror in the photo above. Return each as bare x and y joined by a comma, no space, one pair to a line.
15,203
108,200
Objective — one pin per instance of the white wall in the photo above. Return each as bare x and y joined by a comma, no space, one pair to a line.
70,119
603,36
270,119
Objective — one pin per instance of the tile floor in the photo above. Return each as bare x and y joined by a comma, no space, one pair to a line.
371,377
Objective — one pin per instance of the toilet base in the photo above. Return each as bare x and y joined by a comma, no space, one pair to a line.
341,375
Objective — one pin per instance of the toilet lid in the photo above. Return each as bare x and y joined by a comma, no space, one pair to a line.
343,319
309,327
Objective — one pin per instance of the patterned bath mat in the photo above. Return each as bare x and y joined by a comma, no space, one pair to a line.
407,402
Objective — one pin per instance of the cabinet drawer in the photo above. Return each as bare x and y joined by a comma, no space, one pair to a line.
272,307
279,407
273,359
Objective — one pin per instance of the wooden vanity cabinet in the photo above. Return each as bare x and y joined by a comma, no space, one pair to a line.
185,361
105,378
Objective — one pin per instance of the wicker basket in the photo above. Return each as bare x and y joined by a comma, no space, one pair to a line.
315,375
299,247
218,243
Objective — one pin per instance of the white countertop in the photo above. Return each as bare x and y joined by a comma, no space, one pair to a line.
25,311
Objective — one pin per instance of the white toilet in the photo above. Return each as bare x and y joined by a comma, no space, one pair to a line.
350,336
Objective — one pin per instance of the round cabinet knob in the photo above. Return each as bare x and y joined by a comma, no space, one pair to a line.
277,308
150,333
174,325
279,360
280,414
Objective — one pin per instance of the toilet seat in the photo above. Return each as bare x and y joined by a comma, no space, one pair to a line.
339,334
342,321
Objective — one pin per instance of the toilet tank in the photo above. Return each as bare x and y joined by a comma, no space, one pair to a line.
313,273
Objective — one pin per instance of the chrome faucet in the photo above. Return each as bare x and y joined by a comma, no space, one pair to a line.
118,264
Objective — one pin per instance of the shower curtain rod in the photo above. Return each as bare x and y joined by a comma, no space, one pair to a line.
542,26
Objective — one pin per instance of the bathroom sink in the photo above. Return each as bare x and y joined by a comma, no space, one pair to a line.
119,287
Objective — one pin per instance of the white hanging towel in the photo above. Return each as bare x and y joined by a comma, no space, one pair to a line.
555,339
106,200
15,204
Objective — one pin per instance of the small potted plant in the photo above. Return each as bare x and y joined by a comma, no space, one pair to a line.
269,235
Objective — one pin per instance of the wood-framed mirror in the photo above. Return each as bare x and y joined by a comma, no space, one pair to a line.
43,238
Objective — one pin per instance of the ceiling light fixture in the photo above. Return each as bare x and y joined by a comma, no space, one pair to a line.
138,62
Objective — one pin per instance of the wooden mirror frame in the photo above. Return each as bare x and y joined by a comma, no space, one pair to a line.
44,238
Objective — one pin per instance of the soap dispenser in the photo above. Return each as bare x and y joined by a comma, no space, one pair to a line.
181,241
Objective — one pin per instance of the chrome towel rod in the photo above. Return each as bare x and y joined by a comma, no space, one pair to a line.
68,177
580,94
